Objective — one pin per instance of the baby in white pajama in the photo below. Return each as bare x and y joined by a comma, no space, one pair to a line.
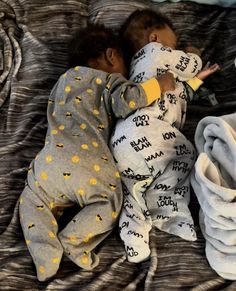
152,155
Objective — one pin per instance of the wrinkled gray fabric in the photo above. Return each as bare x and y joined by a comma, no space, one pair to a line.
42,29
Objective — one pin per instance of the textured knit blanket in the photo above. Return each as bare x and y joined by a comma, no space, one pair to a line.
214,182
33,46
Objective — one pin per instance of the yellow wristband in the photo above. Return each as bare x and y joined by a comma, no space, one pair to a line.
194,83
152,90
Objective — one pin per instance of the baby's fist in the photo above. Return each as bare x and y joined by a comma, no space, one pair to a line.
166,82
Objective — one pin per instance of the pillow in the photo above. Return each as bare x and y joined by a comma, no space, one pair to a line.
112,15
224,3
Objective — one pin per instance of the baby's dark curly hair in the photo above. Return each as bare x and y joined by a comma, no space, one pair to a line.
90,43
136,27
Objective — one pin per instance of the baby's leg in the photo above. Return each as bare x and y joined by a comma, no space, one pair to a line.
127,145
40,232
95,220
169,194
135,223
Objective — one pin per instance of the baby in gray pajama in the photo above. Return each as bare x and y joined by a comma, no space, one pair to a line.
152,155
75,166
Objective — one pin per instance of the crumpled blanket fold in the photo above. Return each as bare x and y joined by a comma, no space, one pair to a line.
214,182
10,51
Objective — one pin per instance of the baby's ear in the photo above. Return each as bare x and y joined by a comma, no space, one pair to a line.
153,36
110,55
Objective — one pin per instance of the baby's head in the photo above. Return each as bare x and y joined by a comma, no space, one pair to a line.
144,26
97,47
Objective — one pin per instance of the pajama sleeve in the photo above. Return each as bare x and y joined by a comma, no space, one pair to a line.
194,83
125,96
183,65
191,86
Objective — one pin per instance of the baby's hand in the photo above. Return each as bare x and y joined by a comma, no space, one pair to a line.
166,82
207,71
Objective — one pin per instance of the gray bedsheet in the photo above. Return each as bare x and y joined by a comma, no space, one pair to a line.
33,39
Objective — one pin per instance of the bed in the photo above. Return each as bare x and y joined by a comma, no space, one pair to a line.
33,53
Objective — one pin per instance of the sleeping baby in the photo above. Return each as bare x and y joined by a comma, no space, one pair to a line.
75,166
152,155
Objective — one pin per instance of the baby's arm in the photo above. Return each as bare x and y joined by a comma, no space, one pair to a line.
207,71
183,65
126,96
197,81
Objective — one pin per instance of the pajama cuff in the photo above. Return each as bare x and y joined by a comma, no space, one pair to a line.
194,83
152,90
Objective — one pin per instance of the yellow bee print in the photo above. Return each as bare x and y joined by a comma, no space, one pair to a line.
56,260
66,175
78,99
93,181
68,89
50,101
83,126
84,146
68,114
117,174
84,258
63,196
96,168
112,186
104,158
51,234
114,214
132,104
44,176
95,144
107,86
52,205
42,269
48,159
78,78
54,222
59,145
104,196
61,127
31,225
101,127
81,192
62,102
40,207
95,112
54,131
90,91
75,159
88,237
99,81
98,218
73,238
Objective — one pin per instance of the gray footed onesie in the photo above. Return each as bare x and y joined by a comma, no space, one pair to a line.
76,167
